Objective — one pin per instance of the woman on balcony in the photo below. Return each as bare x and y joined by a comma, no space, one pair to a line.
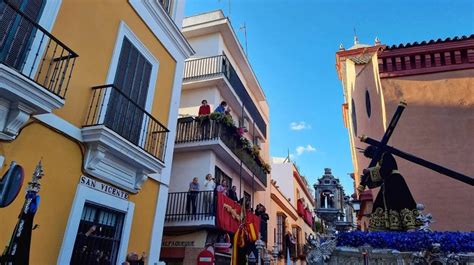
192,195
209,187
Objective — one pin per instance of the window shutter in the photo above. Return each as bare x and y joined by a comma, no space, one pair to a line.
125,113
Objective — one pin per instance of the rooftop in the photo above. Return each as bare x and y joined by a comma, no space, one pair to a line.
438,41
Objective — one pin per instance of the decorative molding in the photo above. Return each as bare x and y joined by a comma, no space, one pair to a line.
284,207
60,124
21,97
115,160
164,28
428,58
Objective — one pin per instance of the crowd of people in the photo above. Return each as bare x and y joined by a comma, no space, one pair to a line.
210,191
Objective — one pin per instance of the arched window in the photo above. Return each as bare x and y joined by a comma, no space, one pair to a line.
354,118
368,107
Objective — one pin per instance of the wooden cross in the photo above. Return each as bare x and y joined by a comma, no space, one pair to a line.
382,147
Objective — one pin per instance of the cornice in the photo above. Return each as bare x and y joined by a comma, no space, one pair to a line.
428,58
284,207
158,19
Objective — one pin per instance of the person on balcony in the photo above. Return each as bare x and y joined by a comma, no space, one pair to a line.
221,108
222,188
209,187
204,109
192,195
233,193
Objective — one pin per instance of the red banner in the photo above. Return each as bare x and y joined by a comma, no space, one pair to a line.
308,217
300,207
228,215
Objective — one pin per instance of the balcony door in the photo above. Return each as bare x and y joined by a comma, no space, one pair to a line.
126,106
16,32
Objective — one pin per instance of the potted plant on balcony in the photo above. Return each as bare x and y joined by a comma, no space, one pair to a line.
266,168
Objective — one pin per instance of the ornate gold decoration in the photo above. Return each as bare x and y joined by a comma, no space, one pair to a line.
375,173
232,212
380,219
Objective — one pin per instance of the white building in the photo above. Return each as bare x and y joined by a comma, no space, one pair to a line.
219,71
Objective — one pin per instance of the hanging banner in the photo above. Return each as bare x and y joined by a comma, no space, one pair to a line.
228,215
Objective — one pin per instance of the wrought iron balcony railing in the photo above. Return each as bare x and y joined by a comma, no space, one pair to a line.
34,52
190,206
194,130
112,108
220,65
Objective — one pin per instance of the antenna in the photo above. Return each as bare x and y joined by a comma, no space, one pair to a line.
228,1
356,39
244,29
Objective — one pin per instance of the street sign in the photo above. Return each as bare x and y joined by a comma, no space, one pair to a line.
206,257
10,184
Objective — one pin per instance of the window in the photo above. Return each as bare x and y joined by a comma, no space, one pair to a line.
98,236
280,231
248,198
16,33
220,175
368,107
167,5
132,78
354,117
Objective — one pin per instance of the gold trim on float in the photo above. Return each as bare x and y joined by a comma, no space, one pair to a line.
403,103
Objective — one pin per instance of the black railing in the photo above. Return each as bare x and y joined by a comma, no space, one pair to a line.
34,52
190,206
112,108
220,65
98,236
196,130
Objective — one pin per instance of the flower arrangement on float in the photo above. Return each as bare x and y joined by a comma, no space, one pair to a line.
409,241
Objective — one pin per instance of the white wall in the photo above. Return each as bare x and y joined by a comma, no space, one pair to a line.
191,99
188,165
283,174
205,46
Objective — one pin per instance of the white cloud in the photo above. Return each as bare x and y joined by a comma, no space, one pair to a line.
304,149
298,126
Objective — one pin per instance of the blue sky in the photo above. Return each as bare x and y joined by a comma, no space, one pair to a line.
292,45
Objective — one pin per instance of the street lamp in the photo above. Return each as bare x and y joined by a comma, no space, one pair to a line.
266,258
275,253
259,244
356,205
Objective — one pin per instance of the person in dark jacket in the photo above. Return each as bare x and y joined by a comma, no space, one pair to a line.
233,193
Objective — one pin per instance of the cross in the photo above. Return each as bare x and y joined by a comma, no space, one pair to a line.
382,147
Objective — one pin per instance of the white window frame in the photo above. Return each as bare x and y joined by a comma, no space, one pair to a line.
125,31
83,195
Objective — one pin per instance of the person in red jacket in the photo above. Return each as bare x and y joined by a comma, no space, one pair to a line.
204,109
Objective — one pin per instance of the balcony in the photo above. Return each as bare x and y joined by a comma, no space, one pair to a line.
35,70
184,209
125,142
188,210
220,66
193,133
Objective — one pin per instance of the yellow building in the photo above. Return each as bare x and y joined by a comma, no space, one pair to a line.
291,211
103,123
